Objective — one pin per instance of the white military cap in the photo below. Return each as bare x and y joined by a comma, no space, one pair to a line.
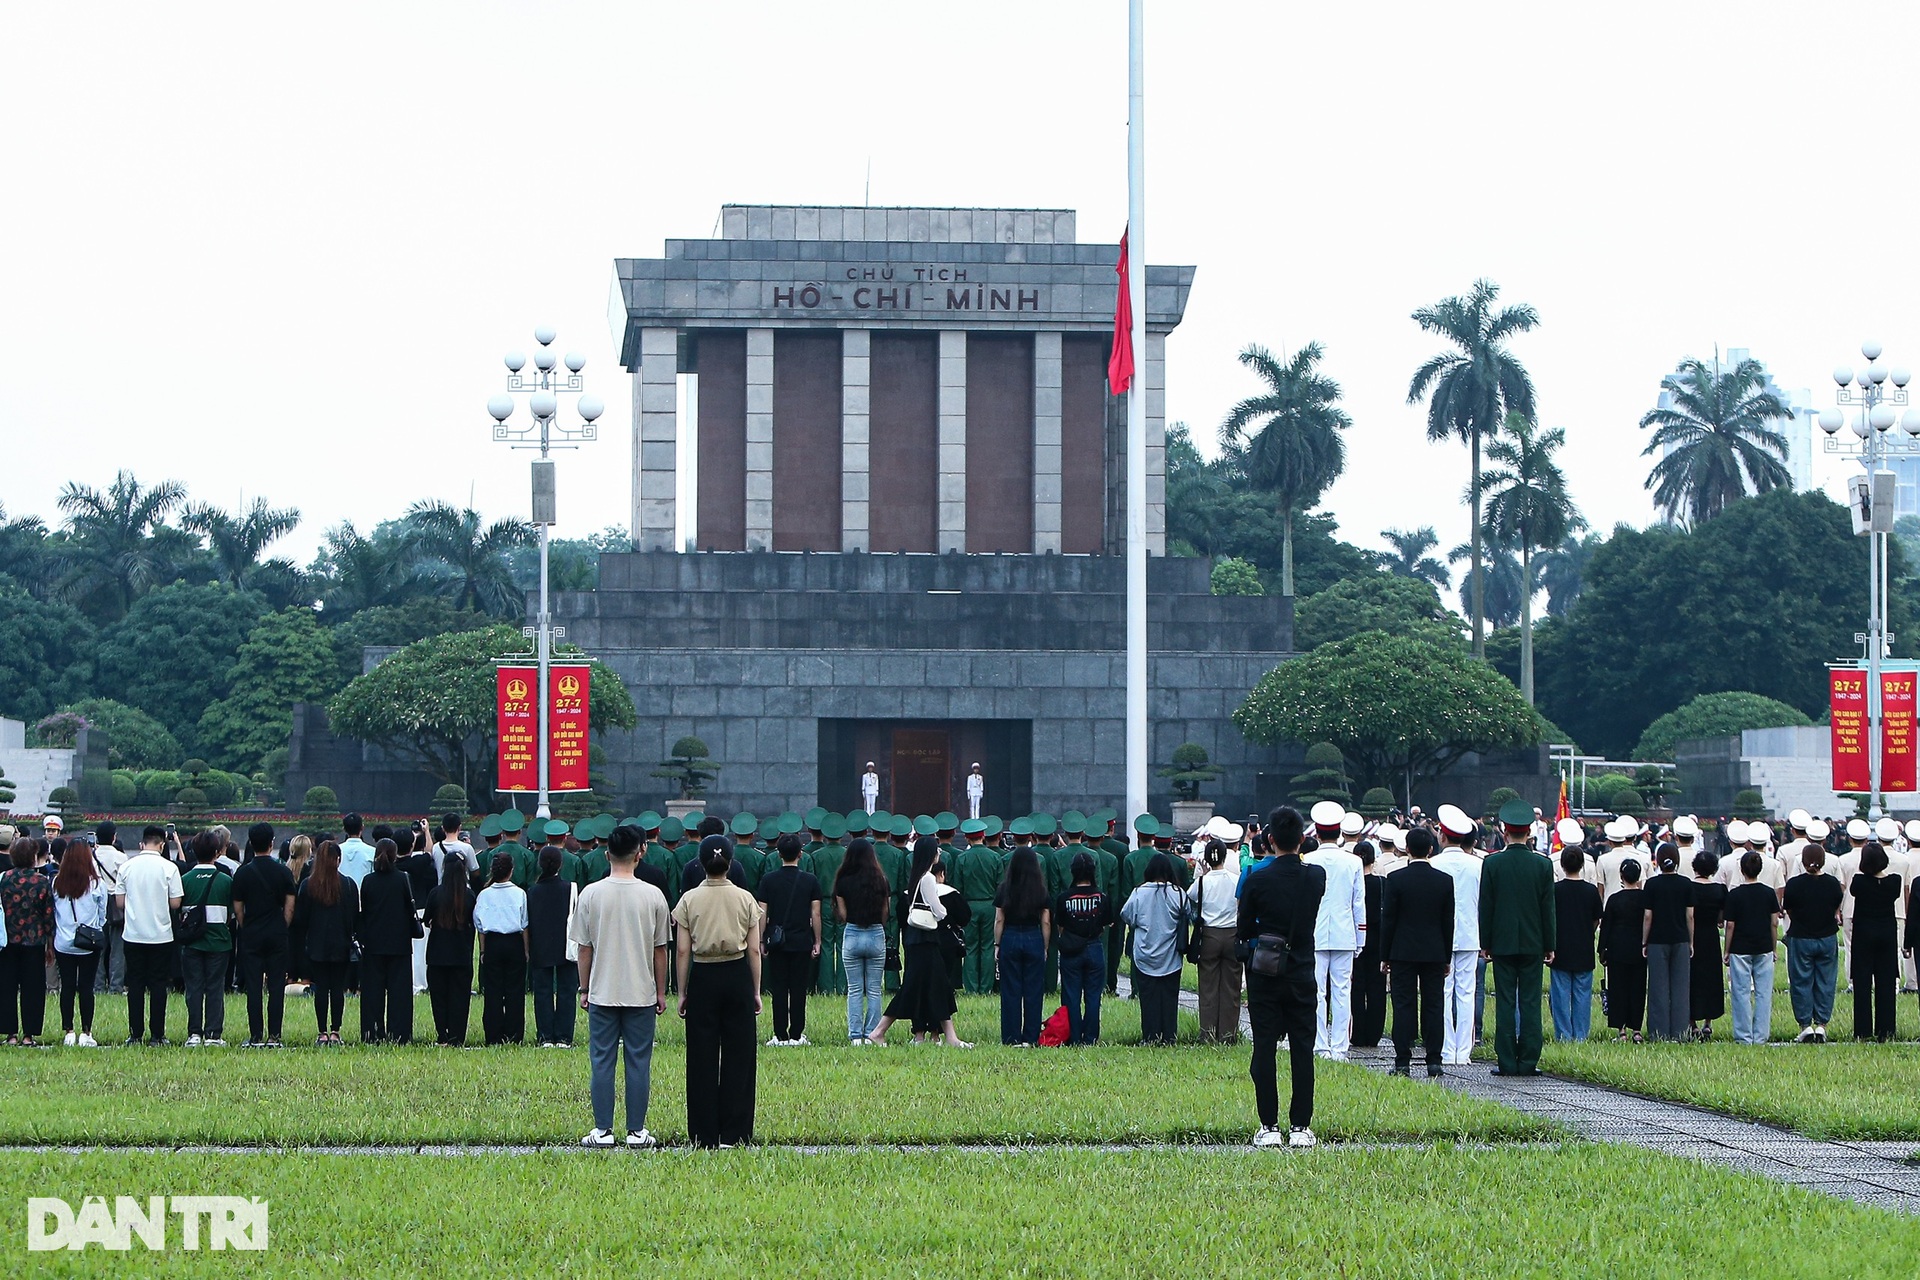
1230,834
1816,830
1737,831
1328,813
1619,829
1859,830
1913,830
1799,819
1685,825
1352,824
1389,835
1886,829
1455,820
1571,833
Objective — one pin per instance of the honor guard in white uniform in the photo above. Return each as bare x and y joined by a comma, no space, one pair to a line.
1339,933
1462,864
870,788
976,790
1393,844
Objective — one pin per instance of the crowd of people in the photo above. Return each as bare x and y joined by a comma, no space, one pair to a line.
1316,926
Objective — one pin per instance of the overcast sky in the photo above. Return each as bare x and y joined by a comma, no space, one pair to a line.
273,255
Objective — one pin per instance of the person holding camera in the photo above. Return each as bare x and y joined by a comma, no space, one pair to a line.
1279,905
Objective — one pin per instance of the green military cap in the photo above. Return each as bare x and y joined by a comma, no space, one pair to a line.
745,824
856,823
946,821
925,826
586,828
1101,818
994,826
1516,813
901,825
833,827
633,822
1147,825
788,824
511,821
554,829
490,825
672,830
815,816
649,821
1074,823
1021,826
769,829
1043,825
605,821
973,827
880,820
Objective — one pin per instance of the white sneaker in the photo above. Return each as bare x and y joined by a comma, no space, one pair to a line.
598,1138
1302,1137
193,1042
776,1043
1269,1136
801,1043
70,1041
88,1042
638,1138
1820,1035
1806,1034
214,1044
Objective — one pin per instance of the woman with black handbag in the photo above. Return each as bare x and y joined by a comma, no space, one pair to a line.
79,936
925,997
1157,915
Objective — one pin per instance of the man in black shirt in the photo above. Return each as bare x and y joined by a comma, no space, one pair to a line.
792,939
1278,906
1416,924
263,891
1576,913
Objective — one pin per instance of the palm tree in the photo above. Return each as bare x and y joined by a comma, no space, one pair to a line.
1409,558
1500,567
1712,427
362,572
1563,570
1528,508
1286,441
24,554
1473,390
119,543
237,541
481,576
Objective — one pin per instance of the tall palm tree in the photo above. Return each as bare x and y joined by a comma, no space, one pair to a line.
1409,558
1714,438
1286,441
237,541
1473,389
119,543
362,572
1528,508
1563,571
1500,569
24,553
480,574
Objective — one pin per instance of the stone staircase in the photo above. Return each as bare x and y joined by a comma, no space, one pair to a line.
35,774
1801,782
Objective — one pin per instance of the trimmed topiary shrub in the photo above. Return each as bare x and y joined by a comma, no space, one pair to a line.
1377,803
126,792
1749,805
1325,777
1497,797
1628,801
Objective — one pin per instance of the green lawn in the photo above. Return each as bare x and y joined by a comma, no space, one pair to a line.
1432,1211
829,1093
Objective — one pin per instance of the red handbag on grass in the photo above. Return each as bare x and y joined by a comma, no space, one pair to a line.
1054,1030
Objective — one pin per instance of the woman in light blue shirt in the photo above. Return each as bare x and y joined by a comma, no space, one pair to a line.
79,898
1155,912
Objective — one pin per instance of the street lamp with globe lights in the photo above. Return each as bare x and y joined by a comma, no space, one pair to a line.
1875,390
543,386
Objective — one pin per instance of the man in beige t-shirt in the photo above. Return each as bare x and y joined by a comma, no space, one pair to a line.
620,925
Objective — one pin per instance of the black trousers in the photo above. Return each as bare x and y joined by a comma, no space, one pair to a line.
786,976
149,970
722,1041
450,988
76,979
1419,988
386,998
1369,1001
1876,978
503,989
23,989
1279,1007
329,993
1159,999
263,976
1627,994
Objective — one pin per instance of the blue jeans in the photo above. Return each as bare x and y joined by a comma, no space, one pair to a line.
863,949
1081,980
1751,998
1022,961
608,1028
1813,965
1570,996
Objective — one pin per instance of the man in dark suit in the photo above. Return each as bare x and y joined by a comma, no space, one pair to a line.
1278,907
1416,923
1517,925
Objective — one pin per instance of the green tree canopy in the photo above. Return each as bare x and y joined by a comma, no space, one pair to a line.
118,544
170,655
1233,576
135,739
46,654
1410,559
287,658
1711,715
1398,707
432,703
237,542
1378,602
391,626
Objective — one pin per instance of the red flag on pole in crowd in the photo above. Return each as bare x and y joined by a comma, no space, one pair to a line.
1561,811
1120,362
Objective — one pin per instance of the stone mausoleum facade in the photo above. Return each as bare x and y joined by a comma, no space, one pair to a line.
908,536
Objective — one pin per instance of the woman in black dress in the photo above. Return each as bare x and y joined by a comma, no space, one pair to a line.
385,930
925,998
1875,954
1624,954
325,910
1707,997
450,950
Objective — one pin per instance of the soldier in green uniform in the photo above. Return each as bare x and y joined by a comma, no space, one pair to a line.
570,866
746,830
512,823
1058,865
976,872
1517,924
593,857
815,822
664,855
830,975
947,829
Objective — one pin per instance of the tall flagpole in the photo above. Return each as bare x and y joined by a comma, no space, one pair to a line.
1136,421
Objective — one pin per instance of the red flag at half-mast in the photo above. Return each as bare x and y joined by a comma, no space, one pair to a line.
1560,813
1120,362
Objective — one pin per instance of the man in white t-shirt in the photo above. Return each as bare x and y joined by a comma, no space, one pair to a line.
356,855
150,892
620,925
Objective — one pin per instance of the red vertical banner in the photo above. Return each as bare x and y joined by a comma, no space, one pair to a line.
568,689
1849,708
518,729
1896,731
